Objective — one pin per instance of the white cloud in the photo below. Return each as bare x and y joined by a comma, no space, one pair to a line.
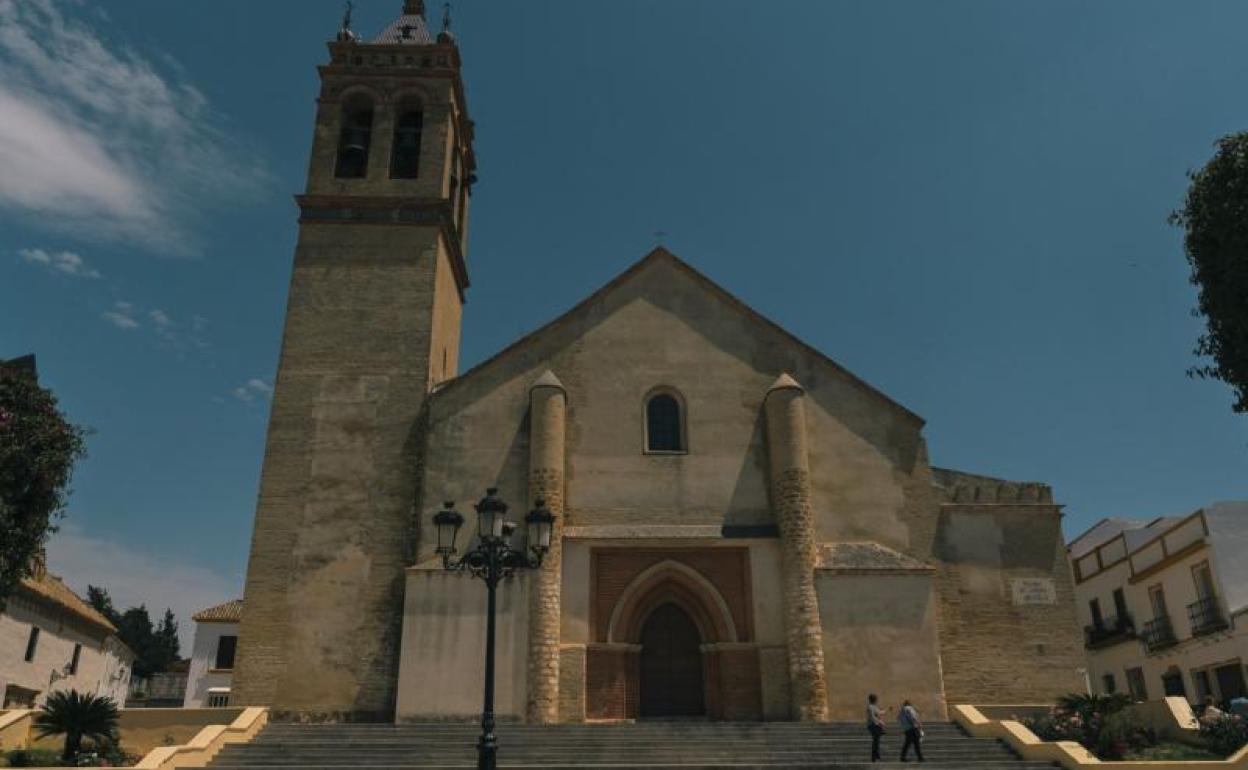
64,262
126,316
252,388
133,577
163,325
122,316
96,139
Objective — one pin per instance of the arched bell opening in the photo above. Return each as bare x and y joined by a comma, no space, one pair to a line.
406,142
355,137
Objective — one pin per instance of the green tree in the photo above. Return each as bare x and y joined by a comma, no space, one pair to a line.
135,629
1215,219
77,716
99,599
166,645
38,449
156,647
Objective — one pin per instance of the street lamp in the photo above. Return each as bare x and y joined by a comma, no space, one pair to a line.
492,560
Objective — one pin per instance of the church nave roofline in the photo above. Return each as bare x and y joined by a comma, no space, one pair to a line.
657,255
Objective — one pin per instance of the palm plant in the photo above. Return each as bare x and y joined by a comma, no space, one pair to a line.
77,716
1091,704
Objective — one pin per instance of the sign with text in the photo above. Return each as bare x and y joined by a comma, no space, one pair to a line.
1034,591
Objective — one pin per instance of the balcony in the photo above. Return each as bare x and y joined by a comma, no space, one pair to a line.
1159,634
1206,616
1110,632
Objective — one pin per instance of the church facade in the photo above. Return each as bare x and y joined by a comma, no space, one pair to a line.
746,530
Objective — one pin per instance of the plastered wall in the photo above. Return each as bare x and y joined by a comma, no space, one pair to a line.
443,652
880,636
102,669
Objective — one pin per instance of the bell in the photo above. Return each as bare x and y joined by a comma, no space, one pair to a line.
407,137
356,140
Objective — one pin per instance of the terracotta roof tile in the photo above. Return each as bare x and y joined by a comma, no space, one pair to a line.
46,587
230,612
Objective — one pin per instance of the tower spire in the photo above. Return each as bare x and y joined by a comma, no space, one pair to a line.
414,7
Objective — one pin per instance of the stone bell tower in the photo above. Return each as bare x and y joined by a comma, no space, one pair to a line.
372,323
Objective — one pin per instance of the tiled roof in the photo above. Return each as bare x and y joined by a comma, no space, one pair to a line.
408,29
50,589
230,612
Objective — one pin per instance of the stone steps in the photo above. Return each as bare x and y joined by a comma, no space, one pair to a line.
680,745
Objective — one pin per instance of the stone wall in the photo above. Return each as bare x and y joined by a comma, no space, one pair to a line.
661,325
658,325
1008,632
333,524
372,323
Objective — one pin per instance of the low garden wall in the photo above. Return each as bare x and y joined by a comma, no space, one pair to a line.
165,738
1172,718
1071,755
14,729
200,750
142,730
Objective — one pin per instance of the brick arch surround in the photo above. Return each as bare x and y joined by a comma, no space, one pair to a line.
671,582
712,587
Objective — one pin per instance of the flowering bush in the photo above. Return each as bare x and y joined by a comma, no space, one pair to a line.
38,448
1226,735
1097,722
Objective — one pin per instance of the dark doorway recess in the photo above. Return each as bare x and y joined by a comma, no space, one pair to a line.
671,665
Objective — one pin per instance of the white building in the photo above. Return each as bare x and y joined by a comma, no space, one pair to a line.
1164,604
50,639
212,659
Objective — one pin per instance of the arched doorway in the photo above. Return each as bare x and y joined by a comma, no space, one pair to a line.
671,665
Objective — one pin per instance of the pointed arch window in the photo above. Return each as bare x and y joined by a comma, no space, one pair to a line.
665,423
405,156
355,138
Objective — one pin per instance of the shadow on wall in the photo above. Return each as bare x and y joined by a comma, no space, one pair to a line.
995,538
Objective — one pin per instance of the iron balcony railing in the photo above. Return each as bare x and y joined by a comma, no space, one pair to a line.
1159,634
1110,631
1206,616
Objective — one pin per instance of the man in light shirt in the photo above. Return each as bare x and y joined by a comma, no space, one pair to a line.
875,725
1211,713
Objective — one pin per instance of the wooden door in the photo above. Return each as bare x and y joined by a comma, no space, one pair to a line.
671,665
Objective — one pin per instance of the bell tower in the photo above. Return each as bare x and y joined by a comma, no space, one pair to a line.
372,324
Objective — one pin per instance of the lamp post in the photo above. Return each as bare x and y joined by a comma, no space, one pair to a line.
493,559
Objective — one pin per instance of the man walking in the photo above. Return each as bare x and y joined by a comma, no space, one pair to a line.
875,725
913,727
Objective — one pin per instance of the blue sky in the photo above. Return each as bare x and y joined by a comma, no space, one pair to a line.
962,202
